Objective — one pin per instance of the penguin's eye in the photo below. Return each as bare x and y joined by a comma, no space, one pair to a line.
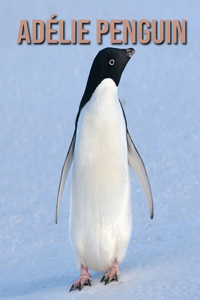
111,62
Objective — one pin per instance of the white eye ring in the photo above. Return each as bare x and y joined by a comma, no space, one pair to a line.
111,62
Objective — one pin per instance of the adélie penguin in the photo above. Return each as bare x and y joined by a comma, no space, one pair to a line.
101,150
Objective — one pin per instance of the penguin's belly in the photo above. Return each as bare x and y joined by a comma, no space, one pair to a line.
100,216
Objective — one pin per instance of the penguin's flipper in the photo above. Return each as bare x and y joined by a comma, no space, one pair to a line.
65,170
138,167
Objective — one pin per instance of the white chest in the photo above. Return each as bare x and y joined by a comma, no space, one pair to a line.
101,127
100,167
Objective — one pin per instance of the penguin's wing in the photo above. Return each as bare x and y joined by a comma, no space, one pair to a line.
136,163
65,170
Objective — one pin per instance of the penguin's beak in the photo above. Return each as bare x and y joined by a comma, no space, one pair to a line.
130,52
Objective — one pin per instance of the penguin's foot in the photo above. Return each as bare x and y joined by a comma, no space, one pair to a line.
112,274
84,279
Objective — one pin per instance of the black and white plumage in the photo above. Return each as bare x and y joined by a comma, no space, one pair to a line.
102,150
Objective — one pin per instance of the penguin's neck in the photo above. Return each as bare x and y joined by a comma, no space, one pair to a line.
104,106
106,88
105,94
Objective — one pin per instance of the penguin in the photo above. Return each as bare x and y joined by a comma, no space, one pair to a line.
102,150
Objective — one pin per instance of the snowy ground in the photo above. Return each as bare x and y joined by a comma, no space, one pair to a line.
40,90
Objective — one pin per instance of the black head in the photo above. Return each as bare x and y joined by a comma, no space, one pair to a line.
109,63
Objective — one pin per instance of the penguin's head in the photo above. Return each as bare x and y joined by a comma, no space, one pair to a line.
110,63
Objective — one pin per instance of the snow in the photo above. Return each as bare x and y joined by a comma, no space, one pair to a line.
40,90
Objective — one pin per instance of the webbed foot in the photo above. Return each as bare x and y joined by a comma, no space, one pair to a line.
84,279
112,274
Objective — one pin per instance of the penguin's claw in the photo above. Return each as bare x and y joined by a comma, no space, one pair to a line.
84,279
89,282
72,287
102,279
107,280
112,274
